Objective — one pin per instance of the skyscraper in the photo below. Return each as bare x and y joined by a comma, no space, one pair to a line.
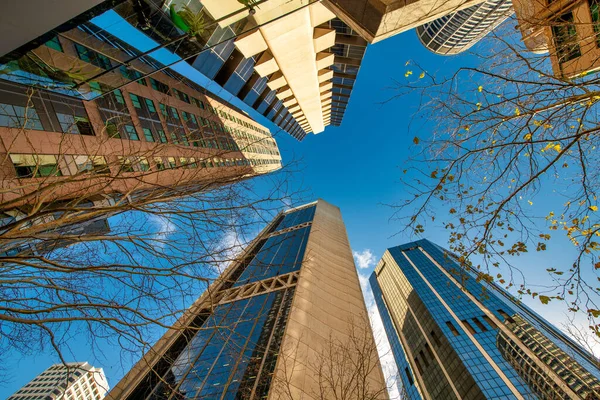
70,381
142,136
457,32
300,80
270,325
456,336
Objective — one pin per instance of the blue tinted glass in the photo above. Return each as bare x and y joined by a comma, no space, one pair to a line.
297,218
280,255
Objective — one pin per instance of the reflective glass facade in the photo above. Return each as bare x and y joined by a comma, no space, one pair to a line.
229,351
472,343
457,32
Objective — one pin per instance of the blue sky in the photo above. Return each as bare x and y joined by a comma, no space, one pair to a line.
355,166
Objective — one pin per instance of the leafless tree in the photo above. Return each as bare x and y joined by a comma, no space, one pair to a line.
505,160
68,274
345,367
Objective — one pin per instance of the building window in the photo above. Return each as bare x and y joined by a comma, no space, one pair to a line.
452,328
160,163
131,132
19,117
150,105
157,85
75,124
118,96
435,338
171,161
507,318
490,322
35,166
162,136
126,165
112,130
565,38
54,43
94,164
92,57
469,326
192,163
174,113
183,161
132,75
409,376
148,135
136,101
479,324
144,164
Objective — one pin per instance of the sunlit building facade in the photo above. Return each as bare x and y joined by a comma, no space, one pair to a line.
142,136
70,381
567,30
453,336
459,31
260,329
302,83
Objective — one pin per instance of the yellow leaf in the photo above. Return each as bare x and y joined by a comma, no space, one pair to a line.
422,75
530,202
557,147
527,137
517,111
408,62
408,73
480,89
594,208
467,128
478,106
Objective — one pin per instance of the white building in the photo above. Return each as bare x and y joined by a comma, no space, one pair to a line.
71,381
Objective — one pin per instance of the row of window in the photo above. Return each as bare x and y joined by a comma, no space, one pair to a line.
37,166
477,323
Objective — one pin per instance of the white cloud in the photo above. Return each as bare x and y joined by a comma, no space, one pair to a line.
229,247
164,227
364,259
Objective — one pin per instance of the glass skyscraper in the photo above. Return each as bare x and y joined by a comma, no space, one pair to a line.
454,336
456,32
266,322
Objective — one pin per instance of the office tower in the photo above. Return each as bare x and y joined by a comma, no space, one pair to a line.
457,32
264,328
295,63
138,140
70,381
455,336
568,30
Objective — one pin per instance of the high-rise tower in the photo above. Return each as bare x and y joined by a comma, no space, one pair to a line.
145,137
70,381
457,32
454,336
272,324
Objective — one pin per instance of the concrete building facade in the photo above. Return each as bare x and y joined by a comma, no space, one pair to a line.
454,336
70,381
282,60
261,330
